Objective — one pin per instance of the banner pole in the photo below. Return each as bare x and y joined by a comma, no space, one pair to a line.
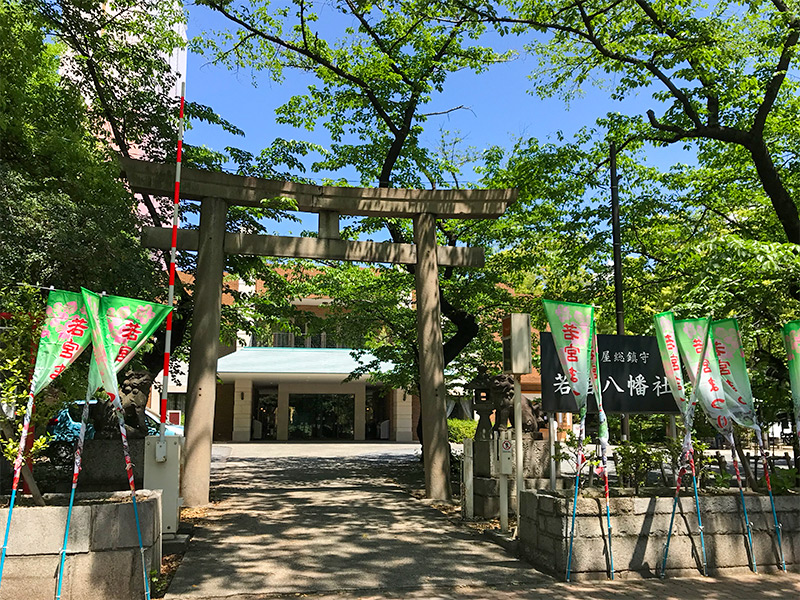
76,469
594,370
695,387
578,467
675,501
688,451
23,444
744,506
518,448
54,364
608,525
552,432
15,483
699,516
161,445
778,526
129,470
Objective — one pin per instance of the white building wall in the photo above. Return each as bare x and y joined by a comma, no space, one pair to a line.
401,404
242,409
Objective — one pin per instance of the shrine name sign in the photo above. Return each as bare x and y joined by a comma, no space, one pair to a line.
631,374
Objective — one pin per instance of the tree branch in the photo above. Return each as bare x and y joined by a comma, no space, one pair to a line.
446,112
778,77
379,43
314,56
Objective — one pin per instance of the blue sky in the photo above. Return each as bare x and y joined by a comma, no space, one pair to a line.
500,107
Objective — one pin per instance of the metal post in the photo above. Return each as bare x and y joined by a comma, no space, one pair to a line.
203,356
617,250
469,491
518,450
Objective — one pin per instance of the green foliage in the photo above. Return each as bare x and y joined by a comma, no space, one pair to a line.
721,479
635,460
649,428
705,238
371,78
65,218
460,429
782,480
672,452
568,450
373,75
118,59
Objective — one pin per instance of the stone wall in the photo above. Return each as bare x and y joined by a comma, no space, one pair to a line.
103,559
639,531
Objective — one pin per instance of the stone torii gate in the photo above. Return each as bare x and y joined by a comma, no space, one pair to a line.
216,191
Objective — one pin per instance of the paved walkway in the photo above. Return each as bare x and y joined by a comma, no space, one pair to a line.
328,521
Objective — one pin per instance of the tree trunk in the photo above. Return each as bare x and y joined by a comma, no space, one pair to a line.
782,202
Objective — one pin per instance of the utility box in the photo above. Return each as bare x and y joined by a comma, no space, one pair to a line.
517,344
165,475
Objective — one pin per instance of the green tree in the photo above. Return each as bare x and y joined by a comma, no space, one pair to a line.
117,58
66,219
718,73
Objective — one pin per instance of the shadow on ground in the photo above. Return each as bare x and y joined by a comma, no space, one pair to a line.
309,525
347,527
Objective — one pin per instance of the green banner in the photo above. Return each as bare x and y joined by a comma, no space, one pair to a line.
130,324
694,344
103,345
791,341
732,367
572,327
65,334
671,361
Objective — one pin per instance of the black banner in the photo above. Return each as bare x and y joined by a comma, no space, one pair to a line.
631,376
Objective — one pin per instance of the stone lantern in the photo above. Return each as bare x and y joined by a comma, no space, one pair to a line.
482,404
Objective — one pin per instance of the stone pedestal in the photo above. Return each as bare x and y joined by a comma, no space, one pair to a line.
103,559
536,472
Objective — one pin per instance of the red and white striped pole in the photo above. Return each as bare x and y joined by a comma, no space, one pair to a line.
173,252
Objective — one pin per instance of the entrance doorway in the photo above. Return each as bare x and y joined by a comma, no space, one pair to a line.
321,416
265,415
378,423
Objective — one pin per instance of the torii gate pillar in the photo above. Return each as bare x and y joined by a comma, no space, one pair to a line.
202,382
431,358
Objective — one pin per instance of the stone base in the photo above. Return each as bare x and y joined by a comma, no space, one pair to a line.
486,496
103,559
535,457
486,481
639,533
